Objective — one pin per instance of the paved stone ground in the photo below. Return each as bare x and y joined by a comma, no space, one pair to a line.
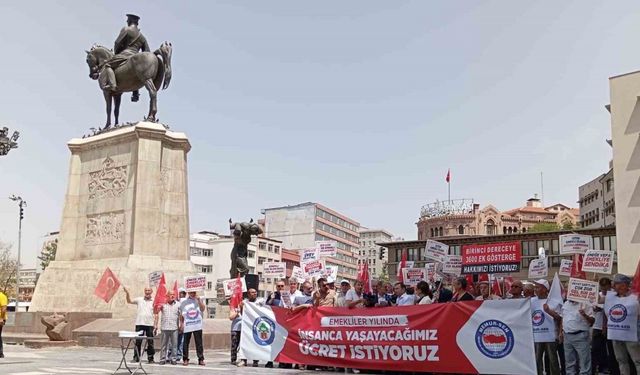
79,360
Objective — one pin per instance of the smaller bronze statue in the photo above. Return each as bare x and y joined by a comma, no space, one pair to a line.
242,233
55,325
131,67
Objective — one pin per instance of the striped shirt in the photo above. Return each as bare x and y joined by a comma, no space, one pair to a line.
170,316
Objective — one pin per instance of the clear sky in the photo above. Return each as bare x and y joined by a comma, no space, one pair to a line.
359,105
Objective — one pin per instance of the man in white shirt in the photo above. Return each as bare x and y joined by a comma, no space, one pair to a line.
577,319
144,321
543,319
191,318
402,298
355,297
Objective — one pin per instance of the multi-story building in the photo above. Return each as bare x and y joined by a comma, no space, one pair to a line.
211,256
466,218
299,226
269,250
28,281
597,202
370,252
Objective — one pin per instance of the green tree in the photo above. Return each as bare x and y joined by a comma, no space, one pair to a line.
8,270
544,227
567,225
48,254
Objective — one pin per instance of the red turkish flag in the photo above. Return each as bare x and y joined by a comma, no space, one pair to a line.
496,287
635,283
403,264
470,287
448,178
107,286
576,267
175,290
161,294
507,283
483,277
363,275
236,297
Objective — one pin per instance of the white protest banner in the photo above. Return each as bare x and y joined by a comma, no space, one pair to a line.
309,254
452,265
565,267
436,250
431,269
230,285
408,264
154,278
582,291
327,248
330,273
599,261
314,268
538,268
298,274
285,297
575,243
195,283
412,276
276,270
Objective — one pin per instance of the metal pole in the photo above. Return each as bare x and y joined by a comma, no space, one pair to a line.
18,268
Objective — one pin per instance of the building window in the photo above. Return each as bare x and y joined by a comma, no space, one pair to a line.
460,229
261,260
270,248
204,269
262,245
441,232
432,233
491,227
276,249
209,285
251,254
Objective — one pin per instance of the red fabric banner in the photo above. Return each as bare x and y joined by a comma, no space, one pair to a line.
474,337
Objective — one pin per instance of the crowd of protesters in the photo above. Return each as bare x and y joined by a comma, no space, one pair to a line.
573,339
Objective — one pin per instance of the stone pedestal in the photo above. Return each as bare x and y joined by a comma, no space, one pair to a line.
126,208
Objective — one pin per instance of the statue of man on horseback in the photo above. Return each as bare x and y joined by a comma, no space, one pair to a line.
131,67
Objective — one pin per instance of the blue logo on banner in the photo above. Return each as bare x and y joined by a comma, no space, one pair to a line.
264,331
617,313
494,339
537,318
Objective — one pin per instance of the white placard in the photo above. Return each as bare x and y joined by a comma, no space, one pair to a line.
412,276
575,243
582,291
452,265
431,269
154,278
565,267
230,285
330,273
436,250
285,297
538,268
313,269
408,264
195,283
327,249
298,274
598,261
276,270
309,254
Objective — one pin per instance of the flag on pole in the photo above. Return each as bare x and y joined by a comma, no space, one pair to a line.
555,293
507,284
236,297
107,286
175,290
161,294
403,264
635,283
363,275
496,287
448,178
576,267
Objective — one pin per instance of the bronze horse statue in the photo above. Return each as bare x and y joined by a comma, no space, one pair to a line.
149,69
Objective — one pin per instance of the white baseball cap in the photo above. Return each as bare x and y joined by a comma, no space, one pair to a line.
542,282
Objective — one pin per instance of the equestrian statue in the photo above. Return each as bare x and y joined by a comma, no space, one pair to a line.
130,66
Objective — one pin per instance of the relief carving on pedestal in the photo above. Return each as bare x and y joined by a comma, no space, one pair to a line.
109,182
104,228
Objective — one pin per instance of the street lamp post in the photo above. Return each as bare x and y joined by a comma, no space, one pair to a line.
21,203
6,142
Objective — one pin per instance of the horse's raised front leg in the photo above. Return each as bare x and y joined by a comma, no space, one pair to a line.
116,108
153,100
107,99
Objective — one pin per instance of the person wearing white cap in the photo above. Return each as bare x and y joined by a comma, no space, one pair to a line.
577,319
485,292
623,323
543,320
345,286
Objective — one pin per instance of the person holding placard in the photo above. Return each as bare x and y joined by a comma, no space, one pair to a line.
603,359
577,319
623,326
191,310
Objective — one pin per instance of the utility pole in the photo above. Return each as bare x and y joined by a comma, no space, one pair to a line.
21,203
